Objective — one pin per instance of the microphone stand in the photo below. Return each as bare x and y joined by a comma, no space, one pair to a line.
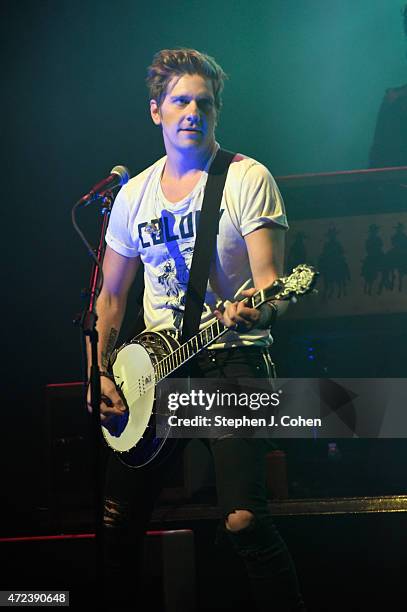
87,322
89,316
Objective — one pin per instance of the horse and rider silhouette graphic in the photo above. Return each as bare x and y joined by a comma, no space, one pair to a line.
380,270
384,270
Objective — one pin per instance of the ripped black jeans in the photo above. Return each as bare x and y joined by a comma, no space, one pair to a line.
130,495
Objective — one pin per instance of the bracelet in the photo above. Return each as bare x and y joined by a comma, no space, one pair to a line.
107,375
103,373
268,315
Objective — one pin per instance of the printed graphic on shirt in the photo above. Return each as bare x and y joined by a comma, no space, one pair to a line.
177,235
169,228
173,276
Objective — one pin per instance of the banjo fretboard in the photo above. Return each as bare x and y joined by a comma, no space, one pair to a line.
201,340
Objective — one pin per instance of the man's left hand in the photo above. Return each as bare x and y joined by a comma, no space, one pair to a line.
237,315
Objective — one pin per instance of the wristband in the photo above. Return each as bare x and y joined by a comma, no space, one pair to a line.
107,375
102,373
268,315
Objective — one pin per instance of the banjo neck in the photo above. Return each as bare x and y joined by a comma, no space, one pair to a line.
189,349
202,340
299,282
133,433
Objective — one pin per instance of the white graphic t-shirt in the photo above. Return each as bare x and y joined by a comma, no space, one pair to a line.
144,223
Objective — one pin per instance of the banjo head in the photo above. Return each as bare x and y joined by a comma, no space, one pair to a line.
134,376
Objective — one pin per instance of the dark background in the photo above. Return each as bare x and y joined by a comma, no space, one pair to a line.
306,81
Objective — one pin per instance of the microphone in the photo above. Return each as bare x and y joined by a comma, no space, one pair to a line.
118,176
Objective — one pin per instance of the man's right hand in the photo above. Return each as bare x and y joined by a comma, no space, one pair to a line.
111,403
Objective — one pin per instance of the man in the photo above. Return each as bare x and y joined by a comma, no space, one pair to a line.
389,146
154,220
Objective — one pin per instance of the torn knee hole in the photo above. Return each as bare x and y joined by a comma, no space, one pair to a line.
239,520
114,513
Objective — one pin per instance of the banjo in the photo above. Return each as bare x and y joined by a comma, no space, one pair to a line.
140,365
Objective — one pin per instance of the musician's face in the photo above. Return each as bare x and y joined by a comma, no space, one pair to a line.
187,114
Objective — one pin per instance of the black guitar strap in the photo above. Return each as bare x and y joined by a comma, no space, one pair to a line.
205,243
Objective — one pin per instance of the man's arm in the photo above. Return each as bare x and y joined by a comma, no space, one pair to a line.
119,273
265,248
